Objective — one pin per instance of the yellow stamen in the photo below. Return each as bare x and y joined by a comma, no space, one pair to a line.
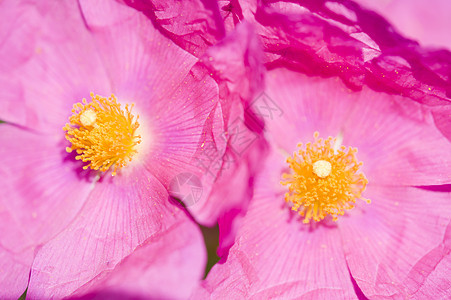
102,134
324,181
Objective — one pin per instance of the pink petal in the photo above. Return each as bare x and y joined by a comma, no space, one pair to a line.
35,168
332,38
167,266
422,20
120,214
41,192
442,119
16,255
393,244
176,99
437,284
15,263
46,68
180,124
122,54
235,184
236,64
232,12
398,141
275,255
143,66
299,105
41,182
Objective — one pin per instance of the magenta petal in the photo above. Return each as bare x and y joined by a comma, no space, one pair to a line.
120,214
232,12
275,255
194,25
336,38
236,66
167,266
393,244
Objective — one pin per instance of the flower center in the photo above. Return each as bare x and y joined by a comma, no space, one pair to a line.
324,181
322,168
102,134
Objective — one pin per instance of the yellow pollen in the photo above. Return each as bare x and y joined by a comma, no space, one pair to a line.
323,181
102,134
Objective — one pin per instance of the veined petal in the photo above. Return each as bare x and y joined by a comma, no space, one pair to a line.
42,187
398,141
166,266
41,191
143,66
299,105
121,213
396,138
437,282
15,263
393,245
180,126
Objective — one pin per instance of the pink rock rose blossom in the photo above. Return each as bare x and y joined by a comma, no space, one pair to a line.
397,246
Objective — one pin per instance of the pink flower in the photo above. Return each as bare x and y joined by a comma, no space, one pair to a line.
78,232
396,246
